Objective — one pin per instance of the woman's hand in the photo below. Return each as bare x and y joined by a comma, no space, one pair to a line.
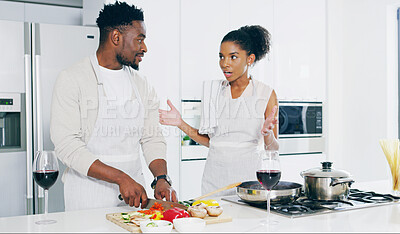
172,117
270,122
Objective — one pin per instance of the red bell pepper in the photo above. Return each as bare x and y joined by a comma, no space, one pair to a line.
175,213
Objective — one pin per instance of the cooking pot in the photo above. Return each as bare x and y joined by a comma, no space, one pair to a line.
253,192
326,183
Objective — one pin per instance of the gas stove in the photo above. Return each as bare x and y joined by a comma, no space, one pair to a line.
303,206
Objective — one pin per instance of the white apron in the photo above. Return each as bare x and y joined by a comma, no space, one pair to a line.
232,155
115,140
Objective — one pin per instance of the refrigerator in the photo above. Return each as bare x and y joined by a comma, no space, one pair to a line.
32,55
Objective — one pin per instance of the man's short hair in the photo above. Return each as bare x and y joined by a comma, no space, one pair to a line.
117,16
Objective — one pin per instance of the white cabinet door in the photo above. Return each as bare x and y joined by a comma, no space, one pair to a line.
190,184
261,14
299,49
11,11
52,14
203,24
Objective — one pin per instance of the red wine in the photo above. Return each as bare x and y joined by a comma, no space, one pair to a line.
45,179
268,178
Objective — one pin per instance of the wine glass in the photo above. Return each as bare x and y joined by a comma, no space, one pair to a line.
45,172
269,174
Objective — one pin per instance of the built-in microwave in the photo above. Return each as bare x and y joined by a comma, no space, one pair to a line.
300,119
300,128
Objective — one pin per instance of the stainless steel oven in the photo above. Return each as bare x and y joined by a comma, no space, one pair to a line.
301,128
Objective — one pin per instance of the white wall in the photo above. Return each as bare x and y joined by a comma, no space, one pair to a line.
362,88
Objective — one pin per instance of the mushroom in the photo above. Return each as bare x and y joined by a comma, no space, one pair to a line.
197,212
214,210
200,205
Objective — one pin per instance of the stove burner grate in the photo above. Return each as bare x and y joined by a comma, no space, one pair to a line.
292,209
371,197
332,204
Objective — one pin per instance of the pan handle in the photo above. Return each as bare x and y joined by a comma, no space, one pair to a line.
336,181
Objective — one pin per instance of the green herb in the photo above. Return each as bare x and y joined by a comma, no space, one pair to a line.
152,224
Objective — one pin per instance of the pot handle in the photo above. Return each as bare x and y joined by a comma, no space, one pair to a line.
341,181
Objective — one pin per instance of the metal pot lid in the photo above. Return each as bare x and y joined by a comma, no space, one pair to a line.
326,172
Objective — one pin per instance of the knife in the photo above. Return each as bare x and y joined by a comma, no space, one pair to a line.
166,204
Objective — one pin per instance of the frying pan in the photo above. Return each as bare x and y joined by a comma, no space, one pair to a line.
283,192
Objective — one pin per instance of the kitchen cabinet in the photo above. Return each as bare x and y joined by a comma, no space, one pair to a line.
40,13
260,12
200,43
192,171
300,49
193,157
11,11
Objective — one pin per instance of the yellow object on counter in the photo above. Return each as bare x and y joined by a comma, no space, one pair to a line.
158,215
210,202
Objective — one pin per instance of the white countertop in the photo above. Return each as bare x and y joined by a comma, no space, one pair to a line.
245,219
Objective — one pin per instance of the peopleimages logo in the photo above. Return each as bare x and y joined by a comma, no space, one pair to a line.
244,108
117,131
113,109
113,130
240,108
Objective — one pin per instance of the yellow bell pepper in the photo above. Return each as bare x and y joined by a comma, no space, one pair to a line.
158,215
210,202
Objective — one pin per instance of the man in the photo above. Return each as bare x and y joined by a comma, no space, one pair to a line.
102,112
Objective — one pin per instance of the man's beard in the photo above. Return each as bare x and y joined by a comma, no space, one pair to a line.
126,62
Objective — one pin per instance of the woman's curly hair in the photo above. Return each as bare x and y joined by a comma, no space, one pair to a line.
254,39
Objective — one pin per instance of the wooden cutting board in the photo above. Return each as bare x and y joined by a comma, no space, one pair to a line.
116,218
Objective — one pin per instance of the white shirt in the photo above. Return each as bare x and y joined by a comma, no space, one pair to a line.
117,85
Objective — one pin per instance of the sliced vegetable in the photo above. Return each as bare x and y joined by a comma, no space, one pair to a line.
151,224
158,215
214,211
197,212
175,213
157,206
200,205
187,203
210,202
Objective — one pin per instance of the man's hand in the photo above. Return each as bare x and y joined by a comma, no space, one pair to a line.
164,190
132,192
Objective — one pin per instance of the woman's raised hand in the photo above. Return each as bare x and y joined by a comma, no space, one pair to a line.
171,117
270,122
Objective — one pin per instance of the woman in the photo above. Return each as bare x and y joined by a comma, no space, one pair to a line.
239,113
